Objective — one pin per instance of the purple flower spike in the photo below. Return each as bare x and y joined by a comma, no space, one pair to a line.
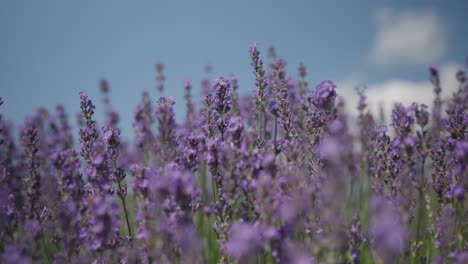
324,95
245,239
160,78
461,76
104,222
222,103
422,115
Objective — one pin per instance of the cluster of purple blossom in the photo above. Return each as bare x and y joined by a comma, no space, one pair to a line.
277,176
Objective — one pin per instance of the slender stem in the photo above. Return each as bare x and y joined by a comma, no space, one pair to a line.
464,230
351,202
203,183
420,210
126,216
421,200
222,132
9,230
457,225
214,187
122,198
429,207
145,157
44,245
275,135
361,187
260,130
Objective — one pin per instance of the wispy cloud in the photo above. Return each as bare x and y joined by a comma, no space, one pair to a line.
390,91
412,37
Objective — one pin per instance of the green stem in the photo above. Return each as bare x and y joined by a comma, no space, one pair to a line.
222,133
116,171
145,158
260,130
275,135
44,245
457,225
420,205
126,216
361,187
213,188
350,202
203,184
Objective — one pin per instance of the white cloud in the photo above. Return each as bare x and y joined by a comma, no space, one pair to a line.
415,37
406,92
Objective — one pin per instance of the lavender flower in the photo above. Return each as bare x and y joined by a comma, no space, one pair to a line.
92,149
160,78
437,109
234,94
386,230
104,222
222,103
33,183
422,115
236,128
166,120
112,138
208,113
303,83
324,96
104,87
190,157
281,106
356,239
446,232
260,93
142,124
244,241
22,249
461,76
189,104
441,176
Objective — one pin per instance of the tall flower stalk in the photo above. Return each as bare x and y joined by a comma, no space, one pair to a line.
160,78
33,183
260,93
222,104
112,138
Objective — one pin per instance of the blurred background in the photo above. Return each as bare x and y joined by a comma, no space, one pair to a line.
52,50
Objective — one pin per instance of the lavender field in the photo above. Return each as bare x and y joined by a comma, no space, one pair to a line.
282,174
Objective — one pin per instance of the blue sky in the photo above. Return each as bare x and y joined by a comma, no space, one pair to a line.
52,50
